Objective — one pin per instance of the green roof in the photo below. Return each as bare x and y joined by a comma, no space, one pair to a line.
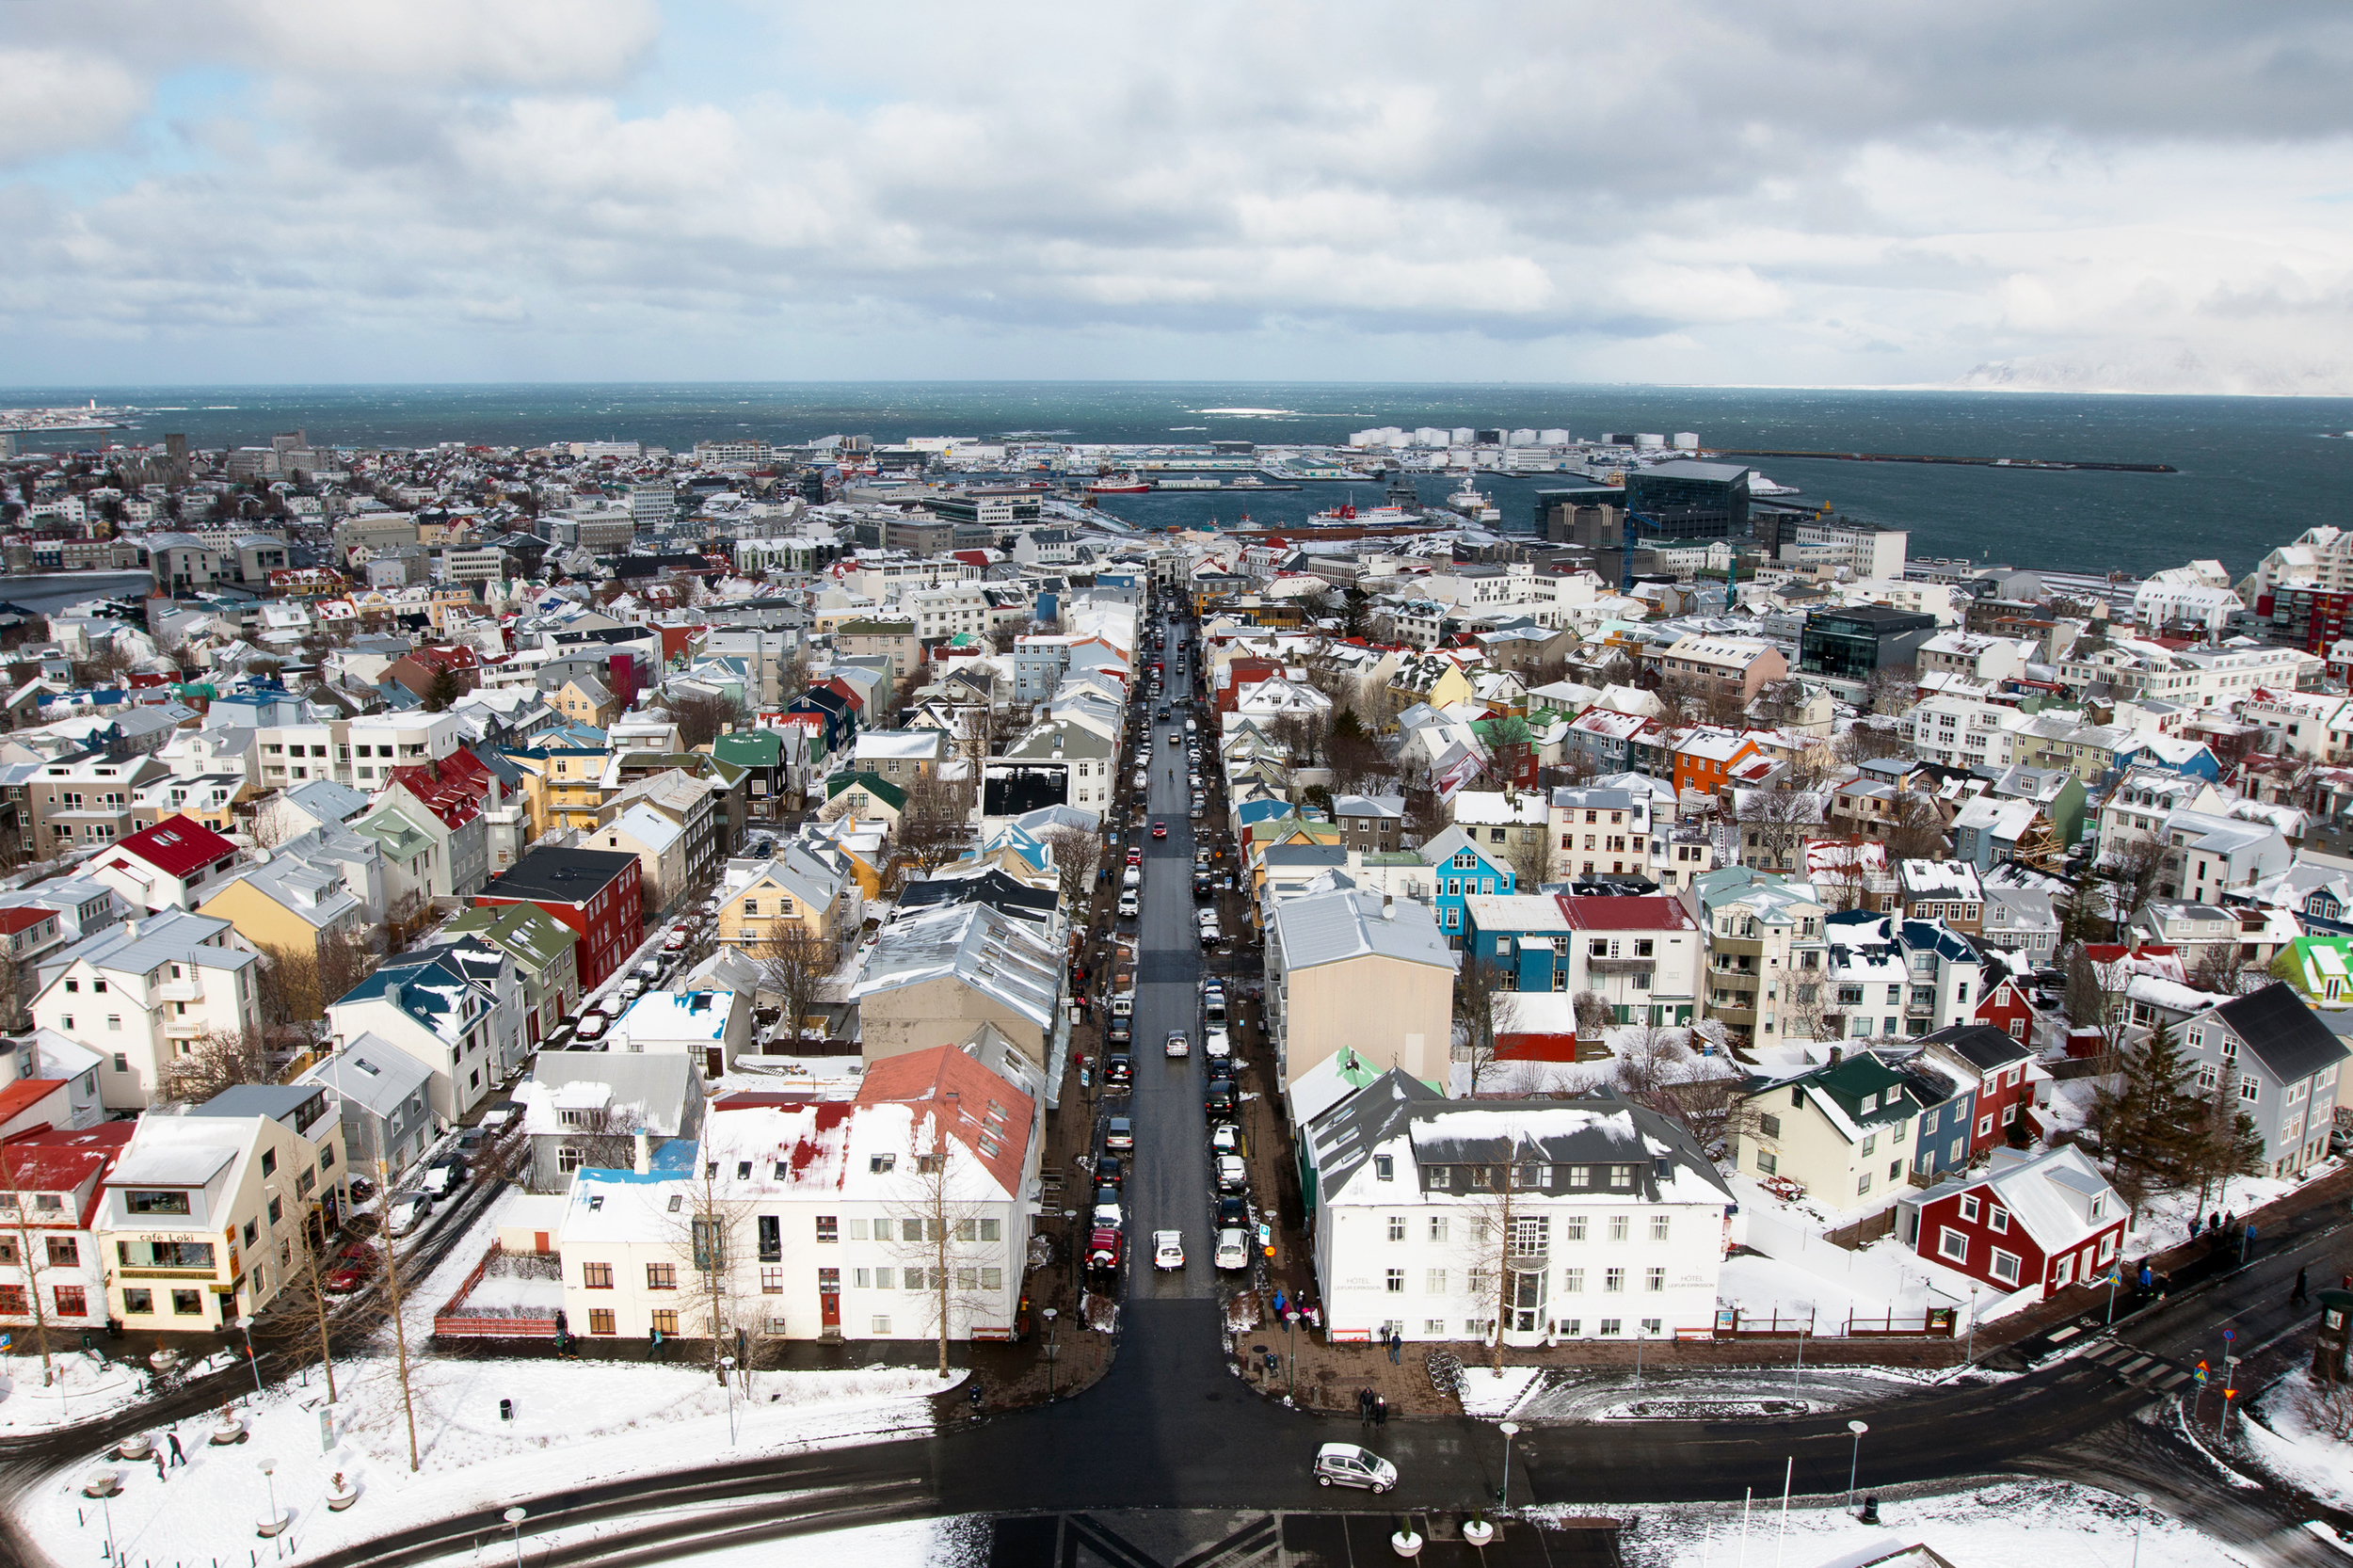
873,784
753,748
535,937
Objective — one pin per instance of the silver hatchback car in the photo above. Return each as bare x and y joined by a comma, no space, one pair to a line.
1346,1465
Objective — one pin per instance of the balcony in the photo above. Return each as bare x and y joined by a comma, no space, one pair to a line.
1624,966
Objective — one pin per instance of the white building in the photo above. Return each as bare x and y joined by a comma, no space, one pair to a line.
828,1217
1584,1220
142,992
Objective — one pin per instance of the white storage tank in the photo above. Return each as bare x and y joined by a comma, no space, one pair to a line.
1686,441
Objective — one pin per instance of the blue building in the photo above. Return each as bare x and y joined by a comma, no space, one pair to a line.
1462,870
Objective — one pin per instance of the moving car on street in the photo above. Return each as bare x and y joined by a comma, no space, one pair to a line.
1160,830
1177,1043
1347,1464
1168,1249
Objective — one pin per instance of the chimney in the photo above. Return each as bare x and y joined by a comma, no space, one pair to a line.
1837,1055
644,1165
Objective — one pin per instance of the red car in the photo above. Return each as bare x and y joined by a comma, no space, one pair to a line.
1103,1250
1160,830
1135,855
350,1268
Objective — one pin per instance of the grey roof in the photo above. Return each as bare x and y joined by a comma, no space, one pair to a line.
2282,1033
1342,1139
1598,1131
661,1085
136,946
280,1102
371,1071
1687,468
999,957
1332,928
323,800
1981,1046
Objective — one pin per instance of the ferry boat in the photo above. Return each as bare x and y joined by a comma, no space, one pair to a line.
1188,485
1346,515
1118,483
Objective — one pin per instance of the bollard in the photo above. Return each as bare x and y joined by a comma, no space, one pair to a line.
1870,1510
506,1410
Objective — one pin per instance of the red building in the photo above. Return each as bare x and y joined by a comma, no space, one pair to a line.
173,865
2028,1222
1996,1066
2005,1007
596,892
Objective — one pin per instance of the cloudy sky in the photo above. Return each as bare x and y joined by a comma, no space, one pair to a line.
2144,194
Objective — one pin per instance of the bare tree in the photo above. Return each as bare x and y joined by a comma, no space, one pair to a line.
1865,740
1891,690
392,1301
1772,826
30,1247
2094,999
275,821
209,1062
2328,1408
1483,1013
935,824
1076,854
302,1285
1504,1251
601,1138
2135,869
1528,852
711,1232
701,718
1917,830
1649,1058
2223,970
945,1238
794,964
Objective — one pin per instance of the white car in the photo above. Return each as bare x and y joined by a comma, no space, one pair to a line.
1106,1217
1233,1249
589,1026
1225,1138
1129,908
1232,1174
1168,1249
1177,1043
1215,1046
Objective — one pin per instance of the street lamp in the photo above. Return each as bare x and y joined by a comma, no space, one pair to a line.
514,1516
1642,1338
2139,1521
1503,1496
727,1378
1050,1314
269,1471
246,1323
1290,1329
1854,1460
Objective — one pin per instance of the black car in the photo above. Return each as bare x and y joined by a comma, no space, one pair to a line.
1219,1097
1117,1068
1108,1171
1233,1210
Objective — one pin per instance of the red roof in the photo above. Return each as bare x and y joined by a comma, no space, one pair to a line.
24,1095
14,920
59,1160
177,845
962,1090
452,789
1604,913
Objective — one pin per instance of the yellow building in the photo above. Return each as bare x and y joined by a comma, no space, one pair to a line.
796,890
284,905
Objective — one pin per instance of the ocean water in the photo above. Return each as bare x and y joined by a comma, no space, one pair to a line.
2254,471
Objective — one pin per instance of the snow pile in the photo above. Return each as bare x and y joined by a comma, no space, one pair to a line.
2050,1523
604,1419
80,1389
1490,1395
2290,1433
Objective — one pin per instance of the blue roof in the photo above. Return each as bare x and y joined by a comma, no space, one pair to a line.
427,990
673,1160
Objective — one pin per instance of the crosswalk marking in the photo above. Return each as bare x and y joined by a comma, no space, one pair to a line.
2135,1364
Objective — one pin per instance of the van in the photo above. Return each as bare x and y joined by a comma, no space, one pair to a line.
1214,1007
1188,727
1131,877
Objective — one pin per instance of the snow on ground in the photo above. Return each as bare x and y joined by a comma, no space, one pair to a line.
604,1419
1489,1395
2284,1438
2163,1220
2050,1523
1814,1292
81,1389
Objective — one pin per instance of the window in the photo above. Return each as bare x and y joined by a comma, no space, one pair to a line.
1580,1176
1573,1227
661,1277
276,1211
569,1157
1952,1246
1622,1177
187,1303
881,1325
883,1278
600,1320
1658,1224
1437,1228
1617,1227
1870,1146
596,1277
1863,1184
1434,1282
135,1201
1394,1282
1766,1163
827,1229
1397,1227
664,1321
2005,1266
1768,1126
1655,1279
1613,1281
62,1251
137,1303
1613,1326
1384,1167
882,1164
1573,1281
1997,1221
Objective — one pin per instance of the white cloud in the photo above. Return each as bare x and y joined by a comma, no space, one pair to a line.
1825,192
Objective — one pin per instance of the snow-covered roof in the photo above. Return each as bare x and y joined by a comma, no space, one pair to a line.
1004,958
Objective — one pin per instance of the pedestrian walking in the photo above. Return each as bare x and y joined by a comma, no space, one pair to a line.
2296,1295
2145,1278
1379,1410
159,1466
1397,1343
1364,1407
177,1457
2230,1220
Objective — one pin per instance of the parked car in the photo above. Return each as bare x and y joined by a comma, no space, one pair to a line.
1347,1464
1118,1068
471,1140
1224,1138
1233,1209
633,987
1168,1249
1129,907
407,1212
1232,1174
1121,1033
1119,1133
1216,1044
1107,1214
1233,1249
350,1268
1201,886
1177,1043
444,1176
1211,933
590,1025
1103,1249
1218,1099
501,1114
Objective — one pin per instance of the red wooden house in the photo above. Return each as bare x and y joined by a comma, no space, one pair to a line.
2028,1222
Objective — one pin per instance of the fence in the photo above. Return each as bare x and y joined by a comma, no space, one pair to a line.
1860,1233
451,1323
1935,1323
